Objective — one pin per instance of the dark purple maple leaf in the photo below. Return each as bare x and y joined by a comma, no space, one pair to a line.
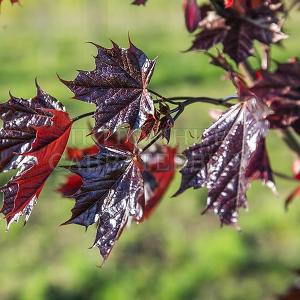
118,87
237,27
33,138
111,193
223,158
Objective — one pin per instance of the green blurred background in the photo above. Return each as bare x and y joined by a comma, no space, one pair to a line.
177,254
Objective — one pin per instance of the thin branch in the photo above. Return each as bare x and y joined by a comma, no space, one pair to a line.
183,99
184,102
156,94
83,116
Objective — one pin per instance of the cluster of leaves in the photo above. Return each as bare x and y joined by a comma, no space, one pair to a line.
235,27
232,152
116,180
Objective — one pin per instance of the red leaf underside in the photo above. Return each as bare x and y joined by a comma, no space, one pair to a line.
22,191
33,138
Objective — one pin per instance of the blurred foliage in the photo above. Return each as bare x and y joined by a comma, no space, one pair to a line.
177,254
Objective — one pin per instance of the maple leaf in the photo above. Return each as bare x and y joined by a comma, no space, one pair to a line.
280,90
115,186
139,2
34,136
159,171
237,27
118,87
111,192
166,122
221,161
192,14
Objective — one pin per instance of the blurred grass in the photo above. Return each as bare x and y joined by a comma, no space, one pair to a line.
177,254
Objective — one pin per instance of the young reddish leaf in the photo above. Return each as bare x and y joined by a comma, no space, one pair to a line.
192,14
34,136
296,192
166,123
151,125
159,172
118,87
139,2
221,160
111,193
